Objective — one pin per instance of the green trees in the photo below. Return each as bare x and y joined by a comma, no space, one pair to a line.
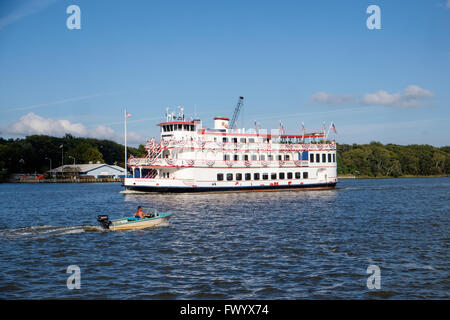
36,153
376,159
85,153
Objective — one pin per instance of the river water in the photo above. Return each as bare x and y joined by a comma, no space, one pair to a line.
257,245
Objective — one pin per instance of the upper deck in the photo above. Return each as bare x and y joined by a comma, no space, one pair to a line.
179,128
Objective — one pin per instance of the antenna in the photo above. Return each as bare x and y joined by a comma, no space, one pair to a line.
181,113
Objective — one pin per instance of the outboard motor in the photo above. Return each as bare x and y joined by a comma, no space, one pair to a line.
104,221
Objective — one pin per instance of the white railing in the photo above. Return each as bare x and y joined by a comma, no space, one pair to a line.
154,150
169,162
247,146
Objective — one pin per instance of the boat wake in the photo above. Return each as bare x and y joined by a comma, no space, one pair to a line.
38,232
132,192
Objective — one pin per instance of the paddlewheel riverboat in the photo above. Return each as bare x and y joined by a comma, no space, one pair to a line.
191,158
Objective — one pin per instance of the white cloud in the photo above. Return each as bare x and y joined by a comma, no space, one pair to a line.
412,96
103,132
32,123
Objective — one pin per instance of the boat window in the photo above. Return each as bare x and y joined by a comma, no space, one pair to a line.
224,139
251,140
270,157
242,140
236,157
256,176
265,176
281,175
248,176
192,127
305,175
136,173
286,157
324,157
311,157
220,177
254,157
280,157
234,140
229,176
262,157
289,175
238,176
273,176
180,127
226,157
334,157
329,157
297,175
245,157
317,157
171,127
304,156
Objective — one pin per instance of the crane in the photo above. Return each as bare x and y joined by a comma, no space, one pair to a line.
239,105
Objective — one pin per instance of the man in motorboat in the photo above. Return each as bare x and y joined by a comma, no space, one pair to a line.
141,214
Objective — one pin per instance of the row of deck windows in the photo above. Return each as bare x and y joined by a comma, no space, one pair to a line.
177,127
236,140
326,157
255,157
263,176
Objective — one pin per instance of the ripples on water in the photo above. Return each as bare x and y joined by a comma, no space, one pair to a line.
258,245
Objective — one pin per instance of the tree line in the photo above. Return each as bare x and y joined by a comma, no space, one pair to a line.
35,153
391,160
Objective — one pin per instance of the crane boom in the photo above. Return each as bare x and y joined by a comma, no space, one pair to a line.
239,105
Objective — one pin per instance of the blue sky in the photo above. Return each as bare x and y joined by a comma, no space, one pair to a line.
295,61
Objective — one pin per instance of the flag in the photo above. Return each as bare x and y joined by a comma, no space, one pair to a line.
303,127
127,115
60,146
333,127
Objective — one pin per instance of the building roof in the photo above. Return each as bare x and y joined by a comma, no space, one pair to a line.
83,168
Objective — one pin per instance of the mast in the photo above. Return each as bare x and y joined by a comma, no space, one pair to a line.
125,138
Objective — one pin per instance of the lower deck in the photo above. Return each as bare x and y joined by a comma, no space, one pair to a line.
236,188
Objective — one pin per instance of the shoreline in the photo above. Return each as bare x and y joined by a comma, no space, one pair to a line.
94,180
389,177
113,180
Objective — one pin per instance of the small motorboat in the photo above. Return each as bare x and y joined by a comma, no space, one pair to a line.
153,218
